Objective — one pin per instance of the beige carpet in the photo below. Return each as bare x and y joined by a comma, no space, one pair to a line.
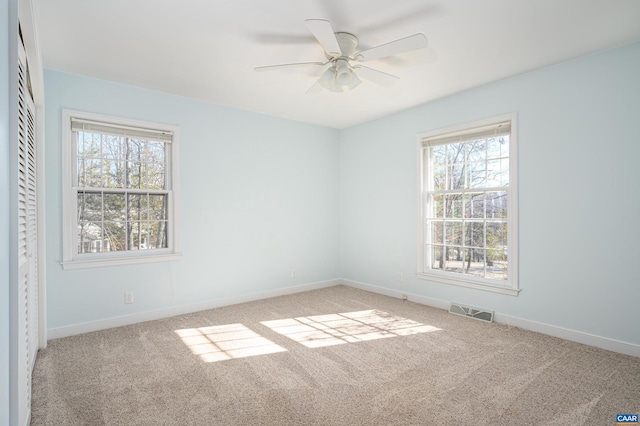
336,356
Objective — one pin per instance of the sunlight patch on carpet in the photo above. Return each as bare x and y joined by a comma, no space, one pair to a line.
224,342
350,327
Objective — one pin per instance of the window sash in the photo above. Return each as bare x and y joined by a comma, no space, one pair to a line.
464,221
165,165
99,226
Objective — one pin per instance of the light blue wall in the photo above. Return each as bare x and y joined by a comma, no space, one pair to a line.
5,220
579,146
259,197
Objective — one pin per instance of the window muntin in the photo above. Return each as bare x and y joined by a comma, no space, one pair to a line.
467,206
119,200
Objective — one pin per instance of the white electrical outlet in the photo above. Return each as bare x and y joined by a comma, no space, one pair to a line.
400,277
294,274
128,298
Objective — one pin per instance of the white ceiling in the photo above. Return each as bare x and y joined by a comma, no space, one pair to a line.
207,49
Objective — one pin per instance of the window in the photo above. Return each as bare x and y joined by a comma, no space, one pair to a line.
119,191
468,206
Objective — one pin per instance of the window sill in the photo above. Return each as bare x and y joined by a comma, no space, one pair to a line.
120,261
468,283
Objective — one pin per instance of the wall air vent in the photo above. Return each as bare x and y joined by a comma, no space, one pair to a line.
469,312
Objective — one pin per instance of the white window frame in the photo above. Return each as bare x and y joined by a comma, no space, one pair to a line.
74,260
508,286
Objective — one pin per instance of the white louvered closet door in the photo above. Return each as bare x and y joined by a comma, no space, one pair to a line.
27,240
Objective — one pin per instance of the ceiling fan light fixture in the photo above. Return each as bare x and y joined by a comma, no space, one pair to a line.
343,72
348,79
327,80
339,76
355,81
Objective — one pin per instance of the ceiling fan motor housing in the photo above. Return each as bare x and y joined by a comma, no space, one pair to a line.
348,44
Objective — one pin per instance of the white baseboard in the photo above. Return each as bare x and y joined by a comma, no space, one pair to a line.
436,303
572,335
86,327
550,330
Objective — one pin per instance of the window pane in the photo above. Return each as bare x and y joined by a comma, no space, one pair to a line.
453,259
504,172
138,208
474,205
134,175
498,147
437,203
113,147
455,176
497,236
439,155
493,173
158,207
158,234
89,145
437,232
89,173
474,234
155,176
455,153
497,264
114,207
155,151
89,206
436,253
476,177
497,173
89,237
115,234
439,178
144,173
453,206
113,174
475,262
476,151
139,234
453,233
136,150
496,206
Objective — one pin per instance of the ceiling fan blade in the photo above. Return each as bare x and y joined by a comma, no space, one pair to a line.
379,77
295,64
406,44
323,32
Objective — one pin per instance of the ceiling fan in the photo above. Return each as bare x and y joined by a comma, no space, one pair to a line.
340,49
